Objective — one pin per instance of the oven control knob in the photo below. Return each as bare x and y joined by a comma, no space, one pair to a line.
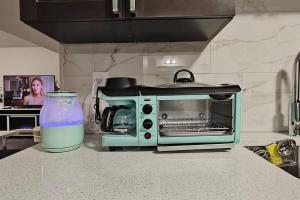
147,135
147,109
147,123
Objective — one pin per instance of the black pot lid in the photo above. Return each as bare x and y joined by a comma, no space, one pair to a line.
172,89
184,85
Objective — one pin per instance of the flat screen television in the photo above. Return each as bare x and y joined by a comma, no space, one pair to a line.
27,90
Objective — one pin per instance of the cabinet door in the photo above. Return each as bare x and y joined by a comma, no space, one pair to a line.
180,8
70,10
165,30
86,32
3,123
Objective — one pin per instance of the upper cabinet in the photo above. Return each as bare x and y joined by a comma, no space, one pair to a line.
78,21
97,21
180,8
71,10
178,20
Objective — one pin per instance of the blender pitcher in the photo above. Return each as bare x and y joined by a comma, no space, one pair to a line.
61,121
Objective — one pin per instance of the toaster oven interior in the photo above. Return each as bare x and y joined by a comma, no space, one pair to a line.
195,117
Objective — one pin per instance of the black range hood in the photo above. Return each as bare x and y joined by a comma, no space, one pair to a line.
125,21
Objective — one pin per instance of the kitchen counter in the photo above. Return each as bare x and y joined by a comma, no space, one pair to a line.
264,138
92,173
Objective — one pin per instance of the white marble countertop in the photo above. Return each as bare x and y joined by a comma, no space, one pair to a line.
89,173
264,138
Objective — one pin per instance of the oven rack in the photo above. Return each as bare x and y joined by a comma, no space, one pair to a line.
191,127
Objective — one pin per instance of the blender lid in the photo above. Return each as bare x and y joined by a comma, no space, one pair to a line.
62,94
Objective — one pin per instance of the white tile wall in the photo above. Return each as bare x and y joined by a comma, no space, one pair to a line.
255,50
28,60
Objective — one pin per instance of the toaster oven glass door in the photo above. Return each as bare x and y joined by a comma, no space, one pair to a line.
195,119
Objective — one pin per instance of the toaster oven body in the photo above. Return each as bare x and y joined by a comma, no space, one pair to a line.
176,121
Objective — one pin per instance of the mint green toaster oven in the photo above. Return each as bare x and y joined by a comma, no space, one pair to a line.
178,116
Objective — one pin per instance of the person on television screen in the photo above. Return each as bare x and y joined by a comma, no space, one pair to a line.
36,93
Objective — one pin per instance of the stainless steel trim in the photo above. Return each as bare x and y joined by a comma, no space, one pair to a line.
35,121
7,123
22,116
115,7
286,146
132,6
296,78
294,124
194,147
298,153
190,133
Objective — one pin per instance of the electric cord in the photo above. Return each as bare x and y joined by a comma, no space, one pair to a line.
96,106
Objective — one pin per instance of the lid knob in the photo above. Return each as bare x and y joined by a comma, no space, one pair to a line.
184,80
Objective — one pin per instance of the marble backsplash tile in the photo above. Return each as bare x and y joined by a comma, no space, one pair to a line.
78,64
119,64
80,84
265,101
252,43
255,50
244,6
